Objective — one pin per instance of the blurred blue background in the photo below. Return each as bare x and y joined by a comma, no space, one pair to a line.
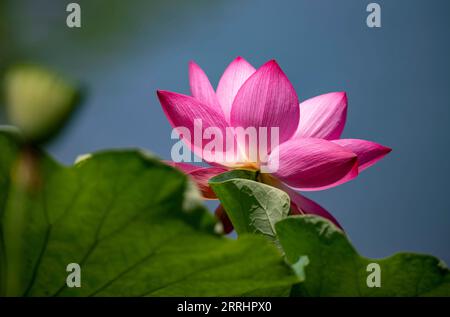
397,79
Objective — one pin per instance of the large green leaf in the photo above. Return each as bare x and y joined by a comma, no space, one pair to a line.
252,207
133,224
336,269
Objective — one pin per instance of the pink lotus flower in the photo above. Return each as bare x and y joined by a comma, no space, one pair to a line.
311,156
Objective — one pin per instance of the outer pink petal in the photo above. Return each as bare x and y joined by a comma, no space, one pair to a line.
201,176
232,79
267,99
182,112
312,164
368,152
201,88
323,116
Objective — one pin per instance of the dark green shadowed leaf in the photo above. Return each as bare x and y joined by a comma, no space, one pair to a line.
134,225
336,269
252,207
